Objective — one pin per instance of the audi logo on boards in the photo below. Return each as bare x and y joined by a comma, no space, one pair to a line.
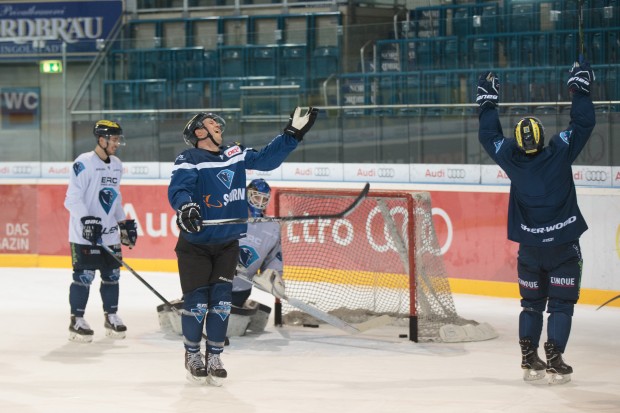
139,170
386,172
455,173
596,176
21,169
321,171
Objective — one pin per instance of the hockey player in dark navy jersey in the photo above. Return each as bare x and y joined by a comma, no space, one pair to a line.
209,182
543,217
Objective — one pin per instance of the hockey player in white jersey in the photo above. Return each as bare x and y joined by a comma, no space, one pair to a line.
260,255
94,202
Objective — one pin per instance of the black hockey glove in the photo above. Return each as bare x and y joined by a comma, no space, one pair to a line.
581,77
92,229
298,125
488,90
129,232
189,218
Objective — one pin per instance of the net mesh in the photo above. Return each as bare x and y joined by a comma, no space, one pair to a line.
358,267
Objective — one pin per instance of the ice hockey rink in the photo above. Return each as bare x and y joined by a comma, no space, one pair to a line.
285,369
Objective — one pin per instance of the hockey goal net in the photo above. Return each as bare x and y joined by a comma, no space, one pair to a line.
382,259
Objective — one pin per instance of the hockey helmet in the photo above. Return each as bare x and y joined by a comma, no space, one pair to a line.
530,135
195,122
258,193
108,128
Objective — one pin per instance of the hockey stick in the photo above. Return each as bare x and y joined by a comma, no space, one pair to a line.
153,290
252,220
607,302
581,52
131,270
326,317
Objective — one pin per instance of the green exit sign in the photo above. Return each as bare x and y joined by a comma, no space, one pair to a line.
50,66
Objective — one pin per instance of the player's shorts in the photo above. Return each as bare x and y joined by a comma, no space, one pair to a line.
201,265
93,257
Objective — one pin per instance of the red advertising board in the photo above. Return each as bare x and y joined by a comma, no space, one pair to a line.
470,226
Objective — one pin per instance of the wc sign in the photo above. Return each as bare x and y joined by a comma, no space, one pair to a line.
20,107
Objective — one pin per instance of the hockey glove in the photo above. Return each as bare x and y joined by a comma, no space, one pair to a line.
189,218
298,125
272,282
488,90
581,76
92,229
129,233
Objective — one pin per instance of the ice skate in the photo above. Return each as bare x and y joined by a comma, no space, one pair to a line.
114,327
196,371
533,367
559,371
79,330
215,369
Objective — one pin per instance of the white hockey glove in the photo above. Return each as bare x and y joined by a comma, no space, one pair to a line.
298,125
272,282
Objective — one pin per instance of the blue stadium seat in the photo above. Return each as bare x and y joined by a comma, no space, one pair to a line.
326,60
489,18
262,61
293,60
522,18
450,55
484,52
153,94
211,63
229,93
232,61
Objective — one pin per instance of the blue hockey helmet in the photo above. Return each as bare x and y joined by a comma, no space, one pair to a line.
258,193
530,135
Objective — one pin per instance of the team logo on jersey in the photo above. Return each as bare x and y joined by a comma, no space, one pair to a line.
226,177
279,256
247,255
107,196
179,158
565,136
498,145
210,205
78,167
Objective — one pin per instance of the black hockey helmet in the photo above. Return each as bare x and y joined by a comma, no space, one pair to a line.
196,123
258,193
107,128
530,135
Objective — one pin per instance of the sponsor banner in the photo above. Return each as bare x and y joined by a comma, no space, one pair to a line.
18,221
363,172
592,175
20,170
56,169
443,173
274,175
42,27
140,170
615,172
294,171
470,228
493,175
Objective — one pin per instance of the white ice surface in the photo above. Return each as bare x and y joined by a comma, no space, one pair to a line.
289,369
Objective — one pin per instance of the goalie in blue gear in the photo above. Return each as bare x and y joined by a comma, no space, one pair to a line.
543,217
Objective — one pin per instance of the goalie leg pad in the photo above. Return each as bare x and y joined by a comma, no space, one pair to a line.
259,320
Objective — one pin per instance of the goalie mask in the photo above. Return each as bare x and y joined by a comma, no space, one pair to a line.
107,129
196,122
258,193
530,135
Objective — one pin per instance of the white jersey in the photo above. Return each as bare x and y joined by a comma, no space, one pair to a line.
260,250
94,190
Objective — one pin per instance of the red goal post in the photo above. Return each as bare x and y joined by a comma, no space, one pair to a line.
381,259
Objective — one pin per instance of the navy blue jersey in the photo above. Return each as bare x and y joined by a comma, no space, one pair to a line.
216,182
543,206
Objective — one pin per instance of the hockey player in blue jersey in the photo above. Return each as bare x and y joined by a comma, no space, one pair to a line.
543,217
208,182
